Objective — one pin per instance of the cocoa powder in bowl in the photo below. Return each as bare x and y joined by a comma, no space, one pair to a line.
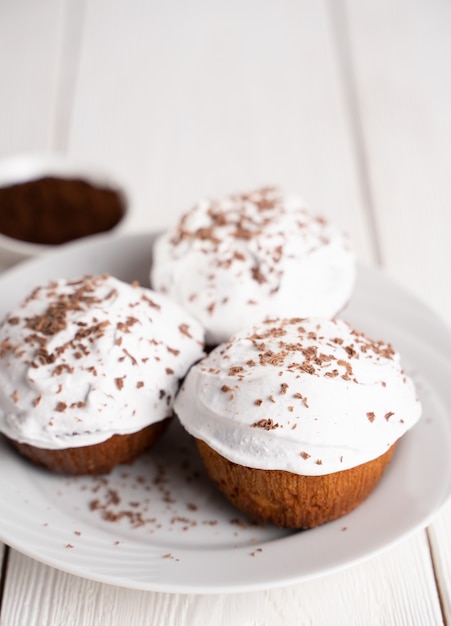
53,210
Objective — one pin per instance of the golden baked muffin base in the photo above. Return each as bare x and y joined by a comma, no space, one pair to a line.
99,458
289,500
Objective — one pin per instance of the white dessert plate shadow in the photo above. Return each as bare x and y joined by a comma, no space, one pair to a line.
160,525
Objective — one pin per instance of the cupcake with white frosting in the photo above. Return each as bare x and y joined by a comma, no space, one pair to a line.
296,419
89,369
236,261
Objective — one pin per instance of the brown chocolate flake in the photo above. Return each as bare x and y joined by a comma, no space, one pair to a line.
272,358
266,424
96,330
150,302
37,400
258,276
233,371
51,322
63,367
388,415
45,357
124,327
78,405
307,368
243,233
346,365
255,552
130,356
305,455
283,388
184,329
119,382
351,351
333,374
301,397
371,416
169,371
113,293
259,402
206,234
5,347
61,407
226,388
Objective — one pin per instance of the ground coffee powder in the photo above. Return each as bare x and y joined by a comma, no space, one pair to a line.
52,210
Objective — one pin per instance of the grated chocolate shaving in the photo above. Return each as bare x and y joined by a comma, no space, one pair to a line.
119,382
266,424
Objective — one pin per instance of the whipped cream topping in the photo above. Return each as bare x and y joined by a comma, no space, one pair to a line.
85,359
236,261
309,396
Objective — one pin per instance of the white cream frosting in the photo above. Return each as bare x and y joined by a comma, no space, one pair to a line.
234,262
310,397
85,359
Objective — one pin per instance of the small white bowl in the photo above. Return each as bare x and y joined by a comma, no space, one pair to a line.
29,167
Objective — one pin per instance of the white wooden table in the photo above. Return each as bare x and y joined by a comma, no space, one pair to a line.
347,102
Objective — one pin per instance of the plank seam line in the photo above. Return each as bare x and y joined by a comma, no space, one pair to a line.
436,578
69,62
341,36
3,573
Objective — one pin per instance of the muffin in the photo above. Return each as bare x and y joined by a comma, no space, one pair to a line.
89,369
236,261
296,419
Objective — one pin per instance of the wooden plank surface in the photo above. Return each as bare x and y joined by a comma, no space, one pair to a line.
382,590
439,536
30,56
400,54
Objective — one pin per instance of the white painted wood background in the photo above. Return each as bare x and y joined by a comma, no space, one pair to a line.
345,101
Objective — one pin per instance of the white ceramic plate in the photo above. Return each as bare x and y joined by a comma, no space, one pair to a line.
160,525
